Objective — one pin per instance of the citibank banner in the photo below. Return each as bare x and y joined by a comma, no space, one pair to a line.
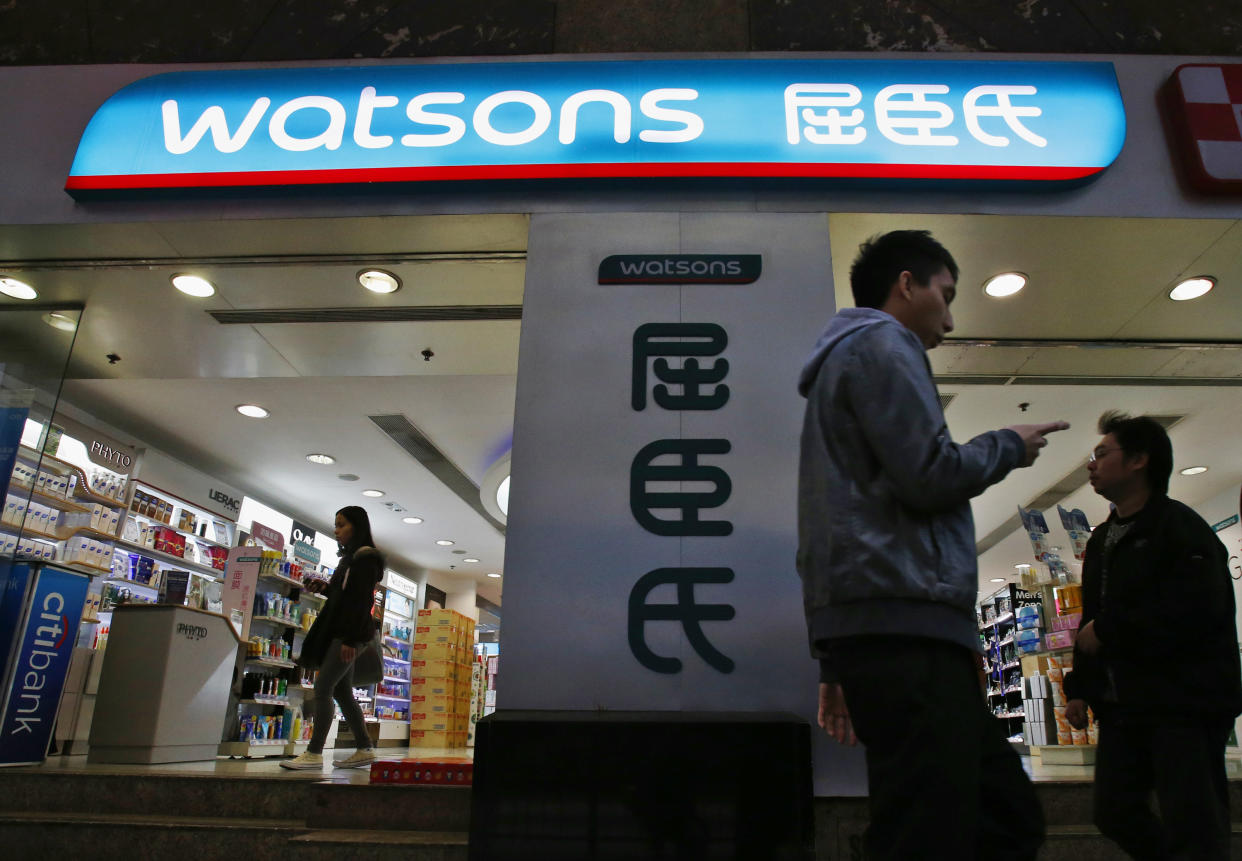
890,119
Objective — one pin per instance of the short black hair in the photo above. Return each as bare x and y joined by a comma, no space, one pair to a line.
882,258
357,517
1142,435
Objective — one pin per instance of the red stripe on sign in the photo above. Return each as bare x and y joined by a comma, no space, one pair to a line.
1212,122
1233,81
662,170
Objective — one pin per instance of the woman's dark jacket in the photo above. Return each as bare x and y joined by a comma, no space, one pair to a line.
1164,615
350,603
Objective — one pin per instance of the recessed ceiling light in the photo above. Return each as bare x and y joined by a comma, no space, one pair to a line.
470,559
17,289
252,411
1022,565
413,521
347,476
379,281
444,542
372,492
1194,470
1192,288
998,579
193,285
63,322
1004,284
494,576
324,459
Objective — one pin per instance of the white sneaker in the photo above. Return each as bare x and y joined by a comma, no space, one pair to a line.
356,759
304,760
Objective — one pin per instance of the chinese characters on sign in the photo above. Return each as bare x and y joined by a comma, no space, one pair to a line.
904,114
698,388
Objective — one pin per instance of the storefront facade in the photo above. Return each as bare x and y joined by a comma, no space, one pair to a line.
611,601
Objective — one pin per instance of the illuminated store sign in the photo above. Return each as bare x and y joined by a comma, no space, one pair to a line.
890,119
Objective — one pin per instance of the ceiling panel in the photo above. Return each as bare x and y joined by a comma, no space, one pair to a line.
354,236
395,349
1089,276
950,358
1095,361
1204,363
159,332
1213,317
81,241
336,285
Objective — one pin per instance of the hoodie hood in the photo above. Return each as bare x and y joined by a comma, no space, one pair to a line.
845,323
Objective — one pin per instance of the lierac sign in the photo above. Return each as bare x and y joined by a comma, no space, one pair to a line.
890,119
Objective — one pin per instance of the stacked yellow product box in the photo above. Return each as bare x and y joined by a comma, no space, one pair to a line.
440,675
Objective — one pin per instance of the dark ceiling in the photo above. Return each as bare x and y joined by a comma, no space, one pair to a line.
38,32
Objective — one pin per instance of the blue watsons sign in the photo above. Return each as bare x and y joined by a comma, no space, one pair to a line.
879,119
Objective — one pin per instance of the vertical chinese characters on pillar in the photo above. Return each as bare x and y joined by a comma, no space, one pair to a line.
696,385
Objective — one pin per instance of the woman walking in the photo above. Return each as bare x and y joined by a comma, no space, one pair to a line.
343,630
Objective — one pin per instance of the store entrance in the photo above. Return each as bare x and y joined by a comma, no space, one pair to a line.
409,394
332,363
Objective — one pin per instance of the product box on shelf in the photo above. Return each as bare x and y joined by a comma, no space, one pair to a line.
1068,622
426,721
1031,664
169,541
428,685
432,668
437,704
1068,599
446,771
435,652
436,634
1060,639
439,617
442,738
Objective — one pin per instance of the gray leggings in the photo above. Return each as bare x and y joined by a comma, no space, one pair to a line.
336,680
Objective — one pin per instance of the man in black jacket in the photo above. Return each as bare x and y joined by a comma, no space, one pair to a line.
1156,655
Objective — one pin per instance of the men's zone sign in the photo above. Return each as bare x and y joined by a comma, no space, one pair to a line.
889,119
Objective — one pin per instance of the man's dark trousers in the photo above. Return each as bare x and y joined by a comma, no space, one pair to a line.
1183,761
944,781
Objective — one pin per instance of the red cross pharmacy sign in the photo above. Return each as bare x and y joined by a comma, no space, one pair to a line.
1205,105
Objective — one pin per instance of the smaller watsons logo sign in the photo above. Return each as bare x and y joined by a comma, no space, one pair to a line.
906,119
680,269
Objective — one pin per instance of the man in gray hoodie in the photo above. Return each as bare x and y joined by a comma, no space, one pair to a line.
887,557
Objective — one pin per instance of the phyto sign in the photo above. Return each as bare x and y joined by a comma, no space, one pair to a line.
729,118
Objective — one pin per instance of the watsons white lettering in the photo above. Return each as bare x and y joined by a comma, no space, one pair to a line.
110,454
448,127
680,267
904,114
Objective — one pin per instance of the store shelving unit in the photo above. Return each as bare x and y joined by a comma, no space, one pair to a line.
76,500
187,523
66,491
392,694
1002,659
291,704
179,562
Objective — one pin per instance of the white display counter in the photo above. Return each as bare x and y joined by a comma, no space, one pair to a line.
164,686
